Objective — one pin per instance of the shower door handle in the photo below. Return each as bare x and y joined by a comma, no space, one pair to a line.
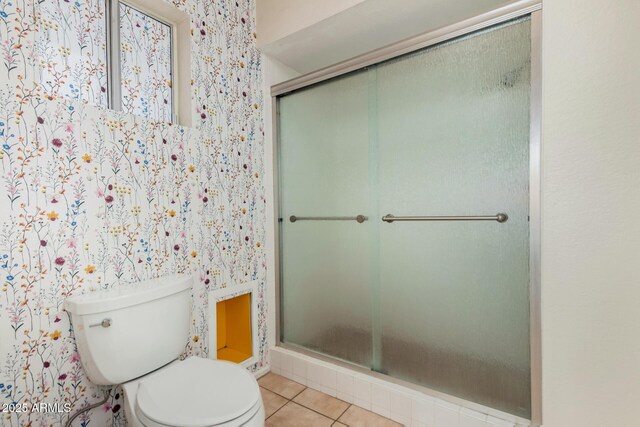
499,217
358,218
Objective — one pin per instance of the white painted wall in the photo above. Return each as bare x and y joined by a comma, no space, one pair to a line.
279,18
307,35
591,213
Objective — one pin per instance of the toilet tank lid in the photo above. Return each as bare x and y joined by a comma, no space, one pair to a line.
128,295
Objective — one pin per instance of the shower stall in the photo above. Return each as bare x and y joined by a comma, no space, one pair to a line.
408,214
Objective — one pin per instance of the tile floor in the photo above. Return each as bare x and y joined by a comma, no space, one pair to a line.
288,403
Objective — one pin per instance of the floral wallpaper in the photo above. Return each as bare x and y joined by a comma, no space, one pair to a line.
145,55
70,49
94,199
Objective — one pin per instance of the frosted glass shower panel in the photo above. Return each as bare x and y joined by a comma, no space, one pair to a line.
326,300
443,131
453,132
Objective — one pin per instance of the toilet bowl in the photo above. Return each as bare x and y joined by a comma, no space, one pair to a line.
134,336
194,393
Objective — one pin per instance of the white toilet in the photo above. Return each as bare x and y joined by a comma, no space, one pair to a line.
134,337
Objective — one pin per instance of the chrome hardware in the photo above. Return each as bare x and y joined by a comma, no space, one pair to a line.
499,217
359,218
105,323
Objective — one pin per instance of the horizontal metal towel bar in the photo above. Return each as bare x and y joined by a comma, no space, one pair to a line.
359,218
500,217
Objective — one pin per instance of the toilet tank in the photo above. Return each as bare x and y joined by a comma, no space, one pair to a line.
127,332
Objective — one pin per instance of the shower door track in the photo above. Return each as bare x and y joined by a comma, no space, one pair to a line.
497,16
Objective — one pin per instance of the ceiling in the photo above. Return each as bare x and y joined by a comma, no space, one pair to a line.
364,26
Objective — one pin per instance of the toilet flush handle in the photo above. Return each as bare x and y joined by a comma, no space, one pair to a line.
105,323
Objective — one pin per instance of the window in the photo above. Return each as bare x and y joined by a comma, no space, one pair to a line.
145,65
119,54
72,50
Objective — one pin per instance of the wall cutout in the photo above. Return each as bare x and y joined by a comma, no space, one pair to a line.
233,323
233,318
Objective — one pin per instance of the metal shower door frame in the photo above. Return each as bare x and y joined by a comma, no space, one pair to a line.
497,16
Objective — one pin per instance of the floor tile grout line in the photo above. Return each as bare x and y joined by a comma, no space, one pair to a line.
288,400
285,404
306,407
335,420
317,412
283,396
312,410
348,406
305,387
274,412
302,406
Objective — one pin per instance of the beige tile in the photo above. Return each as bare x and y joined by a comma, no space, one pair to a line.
280,385
323,403
338,424
358,417
272,402
294,415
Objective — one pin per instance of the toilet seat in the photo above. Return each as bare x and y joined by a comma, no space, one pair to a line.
197,393
250,418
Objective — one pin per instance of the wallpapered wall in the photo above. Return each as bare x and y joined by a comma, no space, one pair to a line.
95,199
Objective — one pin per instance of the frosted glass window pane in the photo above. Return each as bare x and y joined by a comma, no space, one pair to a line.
326,303
145,55
453,131
72,48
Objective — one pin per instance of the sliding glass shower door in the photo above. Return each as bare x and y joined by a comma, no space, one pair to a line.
432,148
325,263
453,136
